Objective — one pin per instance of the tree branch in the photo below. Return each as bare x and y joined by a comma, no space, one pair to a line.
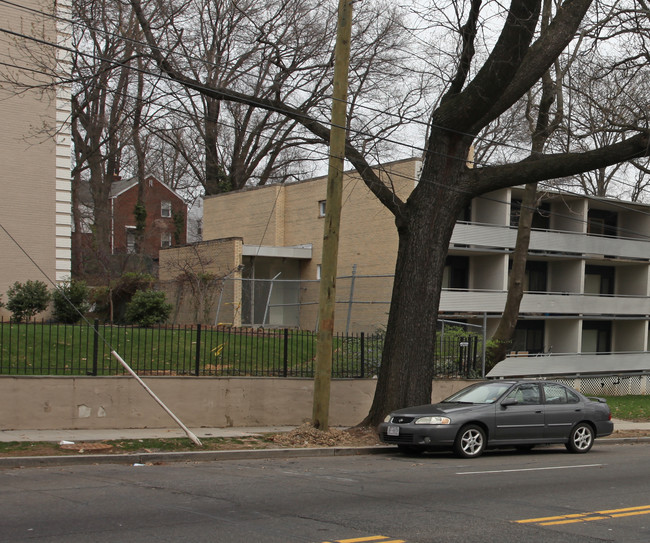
544,167
539,57
461,110
370,178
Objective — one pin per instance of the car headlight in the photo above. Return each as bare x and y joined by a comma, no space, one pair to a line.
388,417
433,420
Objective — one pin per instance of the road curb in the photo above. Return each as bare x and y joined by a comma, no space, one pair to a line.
143,459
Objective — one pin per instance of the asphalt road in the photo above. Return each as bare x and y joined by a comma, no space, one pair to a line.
546,495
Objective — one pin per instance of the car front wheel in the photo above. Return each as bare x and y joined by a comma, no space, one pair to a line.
470,441
581,438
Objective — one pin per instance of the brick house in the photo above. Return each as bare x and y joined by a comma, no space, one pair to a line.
166,221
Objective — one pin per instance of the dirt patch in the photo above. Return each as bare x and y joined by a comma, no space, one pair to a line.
303,437
308,436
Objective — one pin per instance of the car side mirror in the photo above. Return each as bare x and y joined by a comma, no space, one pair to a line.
508,401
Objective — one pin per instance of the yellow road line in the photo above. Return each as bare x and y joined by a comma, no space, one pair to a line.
361,539
587,517
381,538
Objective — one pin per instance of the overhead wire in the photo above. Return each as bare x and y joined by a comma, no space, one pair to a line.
415,120
252,101
167,106
97,57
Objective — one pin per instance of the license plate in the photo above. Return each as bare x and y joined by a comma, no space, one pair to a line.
392,431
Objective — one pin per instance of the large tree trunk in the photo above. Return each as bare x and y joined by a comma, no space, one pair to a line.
406,372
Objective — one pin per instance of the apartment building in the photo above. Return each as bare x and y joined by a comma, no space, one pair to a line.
35,208
587,281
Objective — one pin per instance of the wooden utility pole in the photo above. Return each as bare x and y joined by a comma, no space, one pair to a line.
327,297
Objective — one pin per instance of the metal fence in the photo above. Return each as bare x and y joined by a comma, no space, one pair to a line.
58,349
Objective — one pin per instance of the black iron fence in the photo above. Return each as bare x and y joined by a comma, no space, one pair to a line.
57,349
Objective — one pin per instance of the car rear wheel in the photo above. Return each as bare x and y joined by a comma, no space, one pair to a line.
470,441
581,438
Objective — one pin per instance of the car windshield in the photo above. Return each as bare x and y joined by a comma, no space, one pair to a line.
481,393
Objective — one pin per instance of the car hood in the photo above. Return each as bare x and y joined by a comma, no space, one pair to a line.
437,409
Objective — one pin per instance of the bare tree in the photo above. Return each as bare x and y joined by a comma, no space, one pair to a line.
276,50
474,98
99,110
542,123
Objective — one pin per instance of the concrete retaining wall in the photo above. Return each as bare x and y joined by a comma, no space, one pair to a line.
51,403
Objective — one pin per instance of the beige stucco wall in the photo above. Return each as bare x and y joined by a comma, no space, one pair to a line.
288,215
45,403
34,153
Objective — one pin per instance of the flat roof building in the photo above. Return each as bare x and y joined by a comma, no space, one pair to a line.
587,286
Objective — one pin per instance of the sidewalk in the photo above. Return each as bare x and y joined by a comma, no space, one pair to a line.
161,433
133,433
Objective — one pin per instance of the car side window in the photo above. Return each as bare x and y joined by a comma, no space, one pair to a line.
557,394
572,397
525,394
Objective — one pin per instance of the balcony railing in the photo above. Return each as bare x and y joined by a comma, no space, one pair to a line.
489,301
552,241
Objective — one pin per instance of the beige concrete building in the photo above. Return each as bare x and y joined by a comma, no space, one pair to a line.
587,284
35,207
282,231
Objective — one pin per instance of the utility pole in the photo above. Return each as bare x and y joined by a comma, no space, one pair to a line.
327,297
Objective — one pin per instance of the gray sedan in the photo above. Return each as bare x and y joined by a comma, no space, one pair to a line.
519,413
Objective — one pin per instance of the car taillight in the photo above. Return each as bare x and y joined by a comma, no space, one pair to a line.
610,417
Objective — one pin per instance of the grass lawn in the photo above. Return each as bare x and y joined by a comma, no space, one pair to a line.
634,408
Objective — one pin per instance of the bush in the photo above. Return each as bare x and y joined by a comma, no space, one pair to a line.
70,301
25,300
148,307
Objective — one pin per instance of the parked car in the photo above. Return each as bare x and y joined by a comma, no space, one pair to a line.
519,413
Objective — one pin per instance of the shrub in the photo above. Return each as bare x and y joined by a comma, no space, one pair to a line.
70,301
148,307
25,300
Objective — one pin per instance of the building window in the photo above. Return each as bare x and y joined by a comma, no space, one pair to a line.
165,209
321,208
536,275
166,240
318,272
456,273
541,217
602,223
596,337
529,336
599,280
130,240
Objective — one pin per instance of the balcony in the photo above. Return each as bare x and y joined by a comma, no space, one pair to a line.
492,301
550,241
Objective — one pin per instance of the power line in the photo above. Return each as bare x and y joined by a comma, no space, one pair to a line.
252,100
242,73
411,179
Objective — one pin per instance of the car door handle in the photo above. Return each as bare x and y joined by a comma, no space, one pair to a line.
578,410
538,411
